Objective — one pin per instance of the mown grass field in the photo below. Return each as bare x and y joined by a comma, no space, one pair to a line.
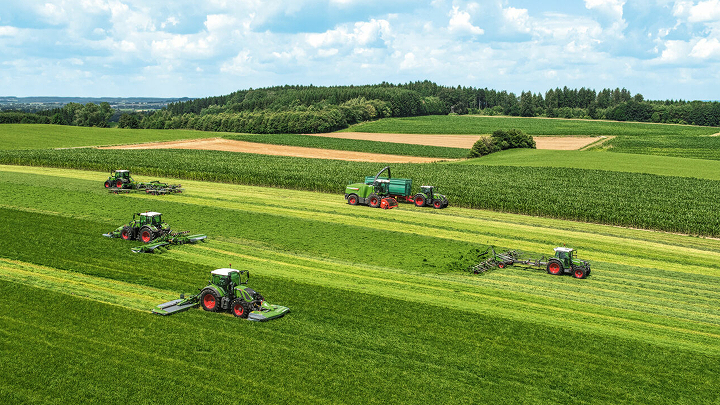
36,136
379,313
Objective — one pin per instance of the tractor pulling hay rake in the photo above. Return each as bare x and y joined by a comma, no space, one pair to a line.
149,227
227,290
120,182
563,262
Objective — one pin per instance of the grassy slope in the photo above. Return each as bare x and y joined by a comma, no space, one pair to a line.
462,124
660,165
389,326
354,145
34,136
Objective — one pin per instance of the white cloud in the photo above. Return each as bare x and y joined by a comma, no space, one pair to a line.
7,31
460,23
675,50
517,18
363,33
706,48
240,65
705,11
170,21
612,8
220,22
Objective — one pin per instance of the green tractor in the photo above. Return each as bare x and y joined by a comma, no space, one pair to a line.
227,290
428,197
375,192
120,179
145,226
563,262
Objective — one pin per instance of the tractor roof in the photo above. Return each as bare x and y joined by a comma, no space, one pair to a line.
563,249
150,214
121,171
223,271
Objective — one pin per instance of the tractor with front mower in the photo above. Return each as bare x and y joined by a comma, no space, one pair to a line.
563,262
149,227
227,290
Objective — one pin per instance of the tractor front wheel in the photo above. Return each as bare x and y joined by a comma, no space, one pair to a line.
209,300
146,234
353,199
119,184
107,184
240,308
374,201
579,272
126,233
419,200
437,204
554,268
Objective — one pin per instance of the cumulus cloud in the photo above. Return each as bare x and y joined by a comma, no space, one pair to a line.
362,33
705,11
460,23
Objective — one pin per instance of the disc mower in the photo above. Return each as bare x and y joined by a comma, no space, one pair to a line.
227,290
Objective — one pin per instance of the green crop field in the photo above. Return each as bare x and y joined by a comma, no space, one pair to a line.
35,136
380,313
354,145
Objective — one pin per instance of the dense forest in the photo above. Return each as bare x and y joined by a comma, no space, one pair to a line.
312,109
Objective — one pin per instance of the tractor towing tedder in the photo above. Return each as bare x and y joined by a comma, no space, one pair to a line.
121,182
564,262
227,290
385,192
149,227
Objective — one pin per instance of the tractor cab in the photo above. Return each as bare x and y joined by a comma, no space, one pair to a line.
428,191
565,255
224,277
382,186
120,174
150,218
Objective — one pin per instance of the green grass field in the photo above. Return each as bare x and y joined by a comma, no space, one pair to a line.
382,316
35,136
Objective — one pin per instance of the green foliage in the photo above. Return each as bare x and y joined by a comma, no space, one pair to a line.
129,121
354,145
501,140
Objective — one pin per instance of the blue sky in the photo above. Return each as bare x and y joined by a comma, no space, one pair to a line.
660,48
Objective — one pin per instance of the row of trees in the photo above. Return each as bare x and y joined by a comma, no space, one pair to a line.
87,115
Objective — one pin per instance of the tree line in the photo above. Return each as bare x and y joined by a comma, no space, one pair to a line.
309,109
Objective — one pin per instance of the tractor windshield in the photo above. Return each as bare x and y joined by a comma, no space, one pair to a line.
156,220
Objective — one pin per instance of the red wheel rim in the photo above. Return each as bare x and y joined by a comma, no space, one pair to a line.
125,235
146,236
419,201
437,204
118,184
209,301
554,268
374,201
352,200
501,265
578,273
239,310
107,185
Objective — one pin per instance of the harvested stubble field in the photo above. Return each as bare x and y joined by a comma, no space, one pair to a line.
385,316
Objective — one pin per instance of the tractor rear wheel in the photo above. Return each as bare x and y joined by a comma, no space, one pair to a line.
353,199
146,234
374,201
579,272
555,268
209,300
437,204
127,233
419,200
239,308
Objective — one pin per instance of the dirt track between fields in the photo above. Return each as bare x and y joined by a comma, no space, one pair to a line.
463,141
277,150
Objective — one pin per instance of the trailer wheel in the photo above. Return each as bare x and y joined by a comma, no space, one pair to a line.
501,265
554,268
419,200
240,308
437,204
374,201
209,300
126,233
146,235
579,272
353,199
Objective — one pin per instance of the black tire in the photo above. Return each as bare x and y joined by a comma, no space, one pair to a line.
209,300
107,184
502,265
554,267
240,308
146,234
419,200
353,199
437,204
374,200
579,272
127,233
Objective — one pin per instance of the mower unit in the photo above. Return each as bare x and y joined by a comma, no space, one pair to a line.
227,290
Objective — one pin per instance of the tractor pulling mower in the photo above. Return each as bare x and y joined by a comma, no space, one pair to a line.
120,182
149,227
384,192
563,262
227,290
